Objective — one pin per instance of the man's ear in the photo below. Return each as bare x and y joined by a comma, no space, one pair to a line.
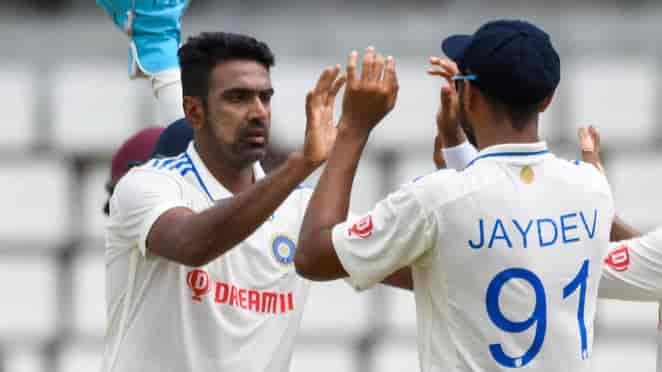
194,112
546,102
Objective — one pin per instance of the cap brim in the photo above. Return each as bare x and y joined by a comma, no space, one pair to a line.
455,46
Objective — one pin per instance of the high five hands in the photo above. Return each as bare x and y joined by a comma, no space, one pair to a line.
370,96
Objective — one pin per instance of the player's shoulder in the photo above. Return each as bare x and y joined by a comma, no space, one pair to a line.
154,175
174,166
438,187
583,173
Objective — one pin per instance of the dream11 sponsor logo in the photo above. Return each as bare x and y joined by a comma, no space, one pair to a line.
362,228
198,281
619,259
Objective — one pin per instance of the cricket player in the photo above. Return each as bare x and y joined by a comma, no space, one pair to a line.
200,247
632,270
507,255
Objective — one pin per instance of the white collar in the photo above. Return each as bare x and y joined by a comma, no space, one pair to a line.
207,182
526,153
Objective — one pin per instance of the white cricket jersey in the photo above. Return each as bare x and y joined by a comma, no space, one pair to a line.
506,259
240,312
633,271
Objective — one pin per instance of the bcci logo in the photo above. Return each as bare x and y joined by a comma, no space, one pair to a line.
198,281
362,228
283,249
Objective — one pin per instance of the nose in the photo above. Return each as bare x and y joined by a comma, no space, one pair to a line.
259,109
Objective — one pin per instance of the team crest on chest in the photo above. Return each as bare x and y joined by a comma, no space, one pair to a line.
283,249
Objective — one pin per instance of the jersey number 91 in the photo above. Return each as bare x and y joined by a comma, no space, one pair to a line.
538,318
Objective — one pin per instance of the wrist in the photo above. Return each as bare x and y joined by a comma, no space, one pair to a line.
300,164
351,129
451,137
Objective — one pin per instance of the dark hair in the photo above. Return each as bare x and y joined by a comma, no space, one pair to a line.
519,113
200,54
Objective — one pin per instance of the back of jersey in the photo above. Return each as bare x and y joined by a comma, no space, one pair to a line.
513,280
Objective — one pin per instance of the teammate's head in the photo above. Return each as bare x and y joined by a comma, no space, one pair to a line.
135,150
509,72
227,93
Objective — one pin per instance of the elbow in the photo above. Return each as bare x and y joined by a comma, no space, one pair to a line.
302,265
304,260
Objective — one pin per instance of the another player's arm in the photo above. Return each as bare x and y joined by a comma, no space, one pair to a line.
195,239
367,100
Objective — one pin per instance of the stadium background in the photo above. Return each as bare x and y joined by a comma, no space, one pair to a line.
67,104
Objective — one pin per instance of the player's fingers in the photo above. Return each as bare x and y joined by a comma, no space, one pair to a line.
378,67
368,59
390,75
325,80
331,97
587,146
351,65
596,138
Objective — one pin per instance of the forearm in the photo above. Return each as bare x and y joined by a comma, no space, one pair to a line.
329,206
622,231
205,236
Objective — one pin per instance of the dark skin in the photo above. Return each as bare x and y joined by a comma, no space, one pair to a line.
368,98
230,133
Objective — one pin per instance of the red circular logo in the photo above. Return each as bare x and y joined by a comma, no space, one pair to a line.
198,281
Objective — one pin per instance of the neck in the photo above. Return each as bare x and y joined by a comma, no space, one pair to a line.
232,178
503,132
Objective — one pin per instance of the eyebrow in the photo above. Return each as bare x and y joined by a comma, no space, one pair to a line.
248,90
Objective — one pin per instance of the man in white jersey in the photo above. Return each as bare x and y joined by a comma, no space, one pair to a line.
507,255
632,270
200,246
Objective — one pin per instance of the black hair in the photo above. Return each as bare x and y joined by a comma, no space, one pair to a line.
200,54
519,113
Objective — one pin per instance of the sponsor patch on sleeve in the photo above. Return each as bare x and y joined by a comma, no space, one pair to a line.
619,259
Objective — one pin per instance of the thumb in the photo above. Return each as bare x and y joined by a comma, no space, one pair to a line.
590,151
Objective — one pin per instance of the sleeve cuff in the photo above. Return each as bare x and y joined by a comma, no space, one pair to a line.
354,279
458,157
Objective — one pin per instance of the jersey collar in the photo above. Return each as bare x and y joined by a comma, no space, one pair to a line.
208,183
519,153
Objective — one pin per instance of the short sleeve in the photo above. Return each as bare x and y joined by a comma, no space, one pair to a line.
632,270
139,199
393,235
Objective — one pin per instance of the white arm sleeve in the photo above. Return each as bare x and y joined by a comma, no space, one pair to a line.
139,199
632,270
167,89
393,235
460,156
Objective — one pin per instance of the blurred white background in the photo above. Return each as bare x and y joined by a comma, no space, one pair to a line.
67,104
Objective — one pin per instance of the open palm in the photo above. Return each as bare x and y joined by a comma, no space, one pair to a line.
320,128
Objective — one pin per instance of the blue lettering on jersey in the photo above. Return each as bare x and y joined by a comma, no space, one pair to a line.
550,231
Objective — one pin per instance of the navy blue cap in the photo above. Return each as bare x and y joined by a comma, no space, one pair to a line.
514,61
174,140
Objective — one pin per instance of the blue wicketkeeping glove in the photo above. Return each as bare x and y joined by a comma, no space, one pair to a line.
154,27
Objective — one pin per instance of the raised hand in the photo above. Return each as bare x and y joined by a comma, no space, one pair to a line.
448,116
320,129
372,95
589,142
